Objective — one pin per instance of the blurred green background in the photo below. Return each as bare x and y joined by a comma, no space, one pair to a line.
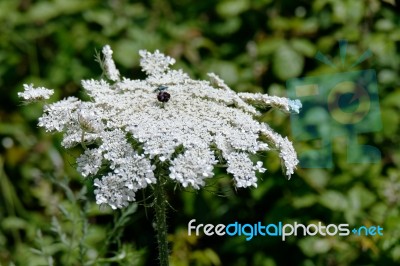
48,217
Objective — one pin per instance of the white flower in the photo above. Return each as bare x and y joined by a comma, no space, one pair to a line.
131,133
258,167
88,119
89,162
58,115
193,166
113,190
31,94
284,104
284,146
242,168
295,105
155,63
109,65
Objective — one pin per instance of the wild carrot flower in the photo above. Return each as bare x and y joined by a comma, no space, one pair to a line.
128,127
31,94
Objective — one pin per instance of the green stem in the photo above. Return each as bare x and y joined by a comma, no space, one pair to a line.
160,205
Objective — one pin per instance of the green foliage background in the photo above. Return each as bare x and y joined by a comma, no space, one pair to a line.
47,216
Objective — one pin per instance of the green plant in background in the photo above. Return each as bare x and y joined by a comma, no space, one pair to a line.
74,237
247,43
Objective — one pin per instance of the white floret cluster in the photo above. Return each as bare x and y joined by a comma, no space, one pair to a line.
127,133
31,94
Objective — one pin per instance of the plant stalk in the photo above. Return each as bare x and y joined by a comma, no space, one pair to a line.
160,205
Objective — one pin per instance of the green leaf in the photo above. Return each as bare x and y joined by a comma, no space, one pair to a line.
229,26
390,121
304,201
384,25
12,222
392,99
287,63
312,246
396,253
303,46
359,198
317,178
269,46
226,70
44,11
231,8
334,200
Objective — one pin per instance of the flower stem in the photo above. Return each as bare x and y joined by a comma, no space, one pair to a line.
160,205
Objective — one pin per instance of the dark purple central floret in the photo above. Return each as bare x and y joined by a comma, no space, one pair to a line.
163,96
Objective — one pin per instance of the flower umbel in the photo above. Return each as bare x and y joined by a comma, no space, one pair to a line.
31,94
127,131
